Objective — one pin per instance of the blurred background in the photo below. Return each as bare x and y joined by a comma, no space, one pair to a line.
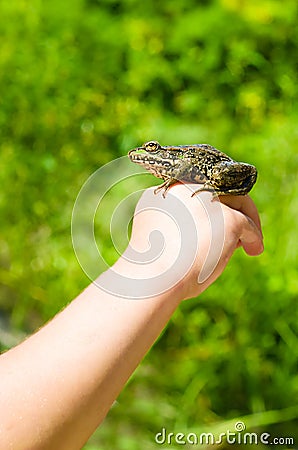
82,82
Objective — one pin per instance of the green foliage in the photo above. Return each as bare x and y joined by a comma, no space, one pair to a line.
83,81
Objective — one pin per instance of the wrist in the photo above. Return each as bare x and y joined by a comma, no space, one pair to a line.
135,281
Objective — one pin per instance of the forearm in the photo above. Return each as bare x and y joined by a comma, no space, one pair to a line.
75,367
59,384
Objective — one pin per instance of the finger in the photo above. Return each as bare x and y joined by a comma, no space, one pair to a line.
251,237
244,204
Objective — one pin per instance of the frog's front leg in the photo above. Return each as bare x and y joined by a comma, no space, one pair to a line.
165,186
180,172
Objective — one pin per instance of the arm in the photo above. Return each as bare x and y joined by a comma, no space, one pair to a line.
58,385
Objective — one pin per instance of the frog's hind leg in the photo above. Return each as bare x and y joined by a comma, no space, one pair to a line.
207,187
236,191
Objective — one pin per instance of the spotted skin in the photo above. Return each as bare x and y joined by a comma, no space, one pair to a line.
197,163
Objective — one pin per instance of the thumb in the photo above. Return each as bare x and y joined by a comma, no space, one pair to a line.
251,237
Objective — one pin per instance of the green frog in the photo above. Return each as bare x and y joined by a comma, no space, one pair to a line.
197,163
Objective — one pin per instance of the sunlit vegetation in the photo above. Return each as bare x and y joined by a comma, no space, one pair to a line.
82,82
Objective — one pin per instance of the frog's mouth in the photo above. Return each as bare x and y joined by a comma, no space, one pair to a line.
140,156
155,164
144,158
134,153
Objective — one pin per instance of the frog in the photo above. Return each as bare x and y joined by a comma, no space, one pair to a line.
201,164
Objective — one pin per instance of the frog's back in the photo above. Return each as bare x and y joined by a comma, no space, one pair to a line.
204,157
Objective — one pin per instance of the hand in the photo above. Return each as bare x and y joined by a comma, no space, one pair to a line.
183,243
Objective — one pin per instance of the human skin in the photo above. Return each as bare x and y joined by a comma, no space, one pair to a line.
58,385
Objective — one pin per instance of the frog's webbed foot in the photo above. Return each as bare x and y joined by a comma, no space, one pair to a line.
165,186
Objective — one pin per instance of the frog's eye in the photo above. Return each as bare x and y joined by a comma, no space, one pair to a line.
151,146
